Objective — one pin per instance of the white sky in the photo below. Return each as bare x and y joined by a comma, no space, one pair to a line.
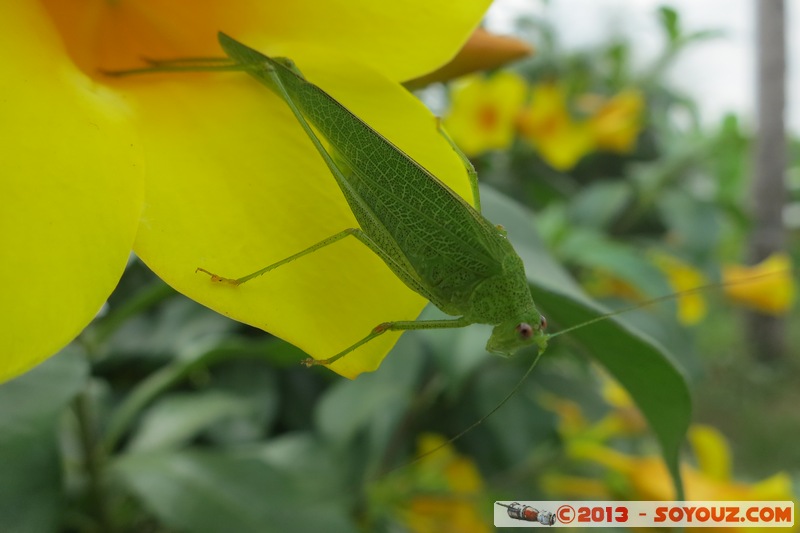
718,73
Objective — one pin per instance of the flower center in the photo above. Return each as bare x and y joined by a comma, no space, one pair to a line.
117,34
488,117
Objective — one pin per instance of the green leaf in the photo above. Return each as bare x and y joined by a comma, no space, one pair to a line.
467,342
316,469
177,418
593,250
342,412
258,385
177,326
670,21
30,405
598,205
533,426
640,364
693,223
213,492
191,358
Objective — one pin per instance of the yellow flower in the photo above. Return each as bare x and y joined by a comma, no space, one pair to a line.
546,123
483,111
571,421
484,51
683,278
623,419
203,170
617,123
647,478
452,499
771,288
711,451
600,284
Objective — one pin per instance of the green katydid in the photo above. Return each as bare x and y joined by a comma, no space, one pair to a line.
433,240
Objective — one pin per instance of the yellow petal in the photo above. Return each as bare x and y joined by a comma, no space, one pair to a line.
483,111
548,126
623,422
450,492
711,451
600,283
593,451
650,480
683,277
571,421
446,515
235,185
647,478
700,487
566,146
483,51
615,394
777,487
546,114
72,192
617,123
767,287
403,39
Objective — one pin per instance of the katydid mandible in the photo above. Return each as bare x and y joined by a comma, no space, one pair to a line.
435,242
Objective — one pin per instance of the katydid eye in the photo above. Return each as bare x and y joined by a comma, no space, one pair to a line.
525,330
542,323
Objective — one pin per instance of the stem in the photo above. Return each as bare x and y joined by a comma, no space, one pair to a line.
93,461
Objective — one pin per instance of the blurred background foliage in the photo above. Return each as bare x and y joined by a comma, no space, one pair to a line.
164,416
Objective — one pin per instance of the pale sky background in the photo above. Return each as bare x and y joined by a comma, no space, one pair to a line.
718,73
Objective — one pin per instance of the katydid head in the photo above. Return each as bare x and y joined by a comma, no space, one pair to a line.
512,335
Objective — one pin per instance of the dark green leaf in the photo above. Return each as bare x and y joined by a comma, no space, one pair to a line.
213,492
343,411
177,418
316,469
599,204
670,21
593,250
30,405
694,224
641,365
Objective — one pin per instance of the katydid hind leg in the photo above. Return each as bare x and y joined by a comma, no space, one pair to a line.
380,329
404,275
357,233
472,174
